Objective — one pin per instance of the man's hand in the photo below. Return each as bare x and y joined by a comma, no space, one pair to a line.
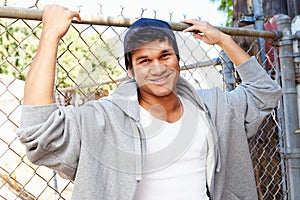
208,33
214,36
57,20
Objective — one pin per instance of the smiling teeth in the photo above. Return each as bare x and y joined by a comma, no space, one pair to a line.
160,80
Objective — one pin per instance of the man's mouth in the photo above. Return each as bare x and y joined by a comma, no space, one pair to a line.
160,79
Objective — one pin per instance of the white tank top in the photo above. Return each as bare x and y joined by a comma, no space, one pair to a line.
175,156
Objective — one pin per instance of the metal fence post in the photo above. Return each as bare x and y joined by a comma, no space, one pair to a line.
259,25
227,69
291,133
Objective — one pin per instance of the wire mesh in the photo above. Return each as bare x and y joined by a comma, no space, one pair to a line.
89,66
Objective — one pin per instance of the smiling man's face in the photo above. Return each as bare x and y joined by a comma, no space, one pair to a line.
155,68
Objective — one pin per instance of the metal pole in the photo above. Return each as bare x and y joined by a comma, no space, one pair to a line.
280,117
291,124
36,14
227,71
55,185
293,8
259,25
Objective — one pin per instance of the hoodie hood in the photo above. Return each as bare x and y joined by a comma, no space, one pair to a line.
126,97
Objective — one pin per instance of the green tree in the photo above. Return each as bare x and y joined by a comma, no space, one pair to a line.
18,46
80,57
226,6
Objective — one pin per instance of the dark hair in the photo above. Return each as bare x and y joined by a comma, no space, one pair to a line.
144,31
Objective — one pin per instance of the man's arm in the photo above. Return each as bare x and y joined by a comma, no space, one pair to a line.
39,83
213,36
258,94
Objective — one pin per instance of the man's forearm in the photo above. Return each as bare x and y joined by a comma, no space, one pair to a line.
235,53
39,83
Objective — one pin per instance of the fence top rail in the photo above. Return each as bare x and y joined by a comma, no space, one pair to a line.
36,14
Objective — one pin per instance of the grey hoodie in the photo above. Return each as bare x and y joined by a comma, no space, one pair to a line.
99,145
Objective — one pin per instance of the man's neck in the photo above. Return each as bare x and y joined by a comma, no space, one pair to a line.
166,108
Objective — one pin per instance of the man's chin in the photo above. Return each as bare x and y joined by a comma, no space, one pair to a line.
159,91
163,93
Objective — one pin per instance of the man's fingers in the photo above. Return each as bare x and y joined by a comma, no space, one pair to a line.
76,15
61,9
189,29
189,21
193,28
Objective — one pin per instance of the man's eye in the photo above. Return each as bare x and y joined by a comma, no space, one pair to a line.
165,55
144,61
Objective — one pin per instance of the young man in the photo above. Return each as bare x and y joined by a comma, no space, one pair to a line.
155,137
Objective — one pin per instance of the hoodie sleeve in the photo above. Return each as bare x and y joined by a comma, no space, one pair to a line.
51,137
255,97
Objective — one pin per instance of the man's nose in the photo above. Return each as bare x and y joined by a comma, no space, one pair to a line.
157,68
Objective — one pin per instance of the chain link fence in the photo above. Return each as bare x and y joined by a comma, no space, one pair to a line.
89,66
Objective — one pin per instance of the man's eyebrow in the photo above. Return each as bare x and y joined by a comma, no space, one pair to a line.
141,58
168,50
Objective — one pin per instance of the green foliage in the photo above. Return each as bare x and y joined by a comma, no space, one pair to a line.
227,7
84,60
18,46
79,61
